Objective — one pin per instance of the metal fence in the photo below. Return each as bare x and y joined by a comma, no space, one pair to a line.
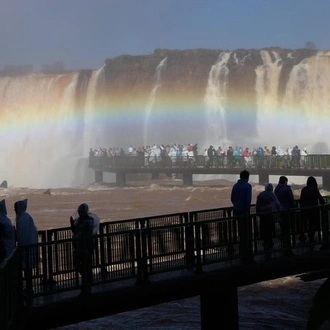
317,161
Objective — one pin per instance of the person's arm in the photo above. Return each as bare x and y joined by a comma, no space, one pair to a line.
320,198
291,198
72,225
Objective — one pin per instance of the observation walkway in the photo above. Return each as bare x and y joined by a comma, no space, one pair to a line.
147,261
186,167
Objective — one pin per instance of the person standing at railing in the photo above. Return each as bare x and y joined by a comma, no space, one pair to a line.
27,234
82,229
266,204
9,239
241,196
285,196
311,198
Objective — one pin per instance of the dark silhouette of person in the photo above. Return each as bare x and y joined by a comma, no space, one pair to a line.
310,198
266,204
210,155
2,243
82,229
9,238
241,196
285,196
27,234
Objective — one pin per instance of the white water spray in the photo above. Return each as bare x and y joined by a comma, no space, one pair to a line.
151,101
215,102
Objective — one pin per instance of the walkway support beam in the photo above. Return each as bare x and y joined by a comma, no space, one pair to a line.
219,308
120,179
326,182
263,178
187,179
98,176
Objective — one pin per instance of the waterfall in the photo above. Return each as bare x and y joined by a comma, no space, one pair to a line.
150,104
267,94
307,93
215,103
95,134
41,131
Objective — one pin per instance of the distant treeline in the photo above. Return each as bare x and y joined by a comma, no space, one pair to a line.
20,70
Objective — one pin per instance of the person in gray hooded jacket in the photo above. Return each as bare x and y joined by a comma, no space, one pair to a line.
266,205
27,234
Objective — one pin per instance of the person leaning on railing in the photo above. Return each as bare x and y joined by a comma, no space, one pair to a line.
82,229
310,198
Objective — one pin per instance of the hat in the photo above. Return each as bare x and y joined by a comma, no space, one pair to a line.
269,187
83,208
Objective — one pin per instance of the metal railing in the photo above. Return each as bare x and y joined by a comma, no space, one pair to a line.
315,161
11,291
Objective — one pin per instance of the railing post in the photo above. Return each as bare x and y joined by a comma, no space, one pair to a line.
325,227
141,256
219,306
104,272
198,239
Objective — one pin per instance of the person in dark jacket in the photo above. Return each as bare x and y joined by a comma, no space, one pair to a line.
241,196
2,243
311,198
82,229
266,204
27,234
9,238
284,194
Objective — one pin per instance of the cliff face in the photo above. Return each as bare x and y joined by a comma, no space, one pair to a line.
235,90
188,71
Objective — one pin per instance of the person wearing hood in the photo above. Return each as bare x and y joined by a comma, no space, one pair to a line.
82,229
285,196
284,193
27,234
241,196
266,204
311,198
8,234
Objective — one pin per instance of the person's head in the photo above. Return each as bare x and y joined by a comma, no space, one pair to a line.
20,206
311,182
269,187
83,209
283,180
244,175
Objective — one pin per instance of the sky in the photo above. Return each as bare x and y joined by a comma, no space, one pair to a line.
84,33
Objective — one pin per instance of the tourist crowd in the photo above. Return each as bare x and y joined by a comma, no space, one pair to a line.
214,157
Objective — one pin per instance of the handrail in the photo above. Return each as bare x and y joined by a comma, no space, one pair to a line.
311,161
